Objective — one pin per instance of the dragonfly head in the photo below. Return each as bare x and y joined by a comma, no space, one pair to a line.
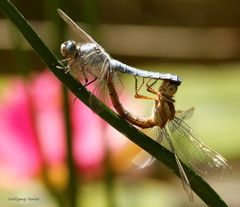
68,49
168,88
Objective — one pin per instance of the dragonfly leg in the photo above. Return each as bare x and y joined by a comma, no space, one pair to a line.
66,68
63,62
61,67
85,85
85,76
88,83
137,89
149,87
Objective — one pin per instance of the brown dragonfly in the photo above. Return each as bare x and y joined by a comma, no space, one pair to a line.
173,132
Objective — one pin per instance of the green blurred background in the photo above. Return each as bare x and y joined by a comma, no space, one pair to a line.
198,40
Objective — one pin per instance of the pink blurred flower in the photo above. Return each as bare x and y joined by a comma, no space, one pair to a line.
32,132
18,153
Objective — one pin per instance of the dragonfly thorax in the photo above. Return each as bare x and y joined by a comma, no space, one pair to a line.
164,109
68,49
93,55
163,112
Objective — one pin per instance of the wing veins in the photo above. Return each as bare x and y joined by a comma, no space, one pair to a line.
200,157
80,32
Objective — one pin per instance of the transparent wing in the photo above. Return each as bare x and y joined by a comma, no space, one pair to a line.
101,68
185,114
163,134
82,34
144,159
193,151
100,89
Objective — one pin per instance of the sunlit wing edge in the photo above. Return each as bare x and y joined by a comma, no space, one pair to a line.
80,32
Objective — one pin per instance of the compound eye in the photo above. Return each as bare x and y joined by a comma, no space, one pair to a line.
68,48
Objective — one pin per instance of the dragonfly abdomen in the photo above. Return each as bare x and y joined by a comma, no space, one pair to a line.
140,121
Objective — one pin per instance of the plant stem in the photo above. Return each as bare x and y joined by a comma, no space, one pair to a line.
72,182
200,187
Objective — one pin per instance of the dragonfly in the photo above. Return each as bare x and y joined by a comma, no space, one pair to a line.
89,59
173,133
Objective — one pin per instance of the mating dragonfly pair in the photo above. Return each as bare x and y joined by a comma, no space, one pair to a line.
89,59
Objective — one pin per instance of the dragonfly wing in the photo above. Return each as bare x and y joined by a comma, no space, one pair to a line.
185,114
102,70
143,159
163,133
81,33
181,115
193,151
